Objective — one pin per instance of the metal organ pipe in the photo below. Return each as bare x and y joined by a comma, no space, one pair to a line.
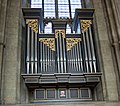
43,54
80,53
46,64
32,52
52,60
28,49
47,58
70,60
58,56
61,53
78,62
35,52
76,59
93,52
89,52
41,59
85,51
73,59
64,57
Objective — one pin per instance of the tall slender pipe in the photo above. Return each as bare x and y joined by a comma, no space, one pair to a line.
93,51
85,50
58,56
80,51
36,53
41,57
32,52
28,49
64,57
89,52
61,53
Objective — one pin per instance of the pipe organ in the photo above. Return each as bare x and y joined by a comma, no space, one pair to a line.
60,54
60,61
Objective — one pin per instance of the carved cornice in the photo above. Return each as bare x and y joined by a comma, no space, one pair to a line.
71,42
61,32
50,42
85,24
33,23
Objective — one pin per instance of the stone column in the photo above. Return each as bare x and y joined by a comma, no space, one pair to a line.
0,4
3,7
115,4
113,25
12,53
104,48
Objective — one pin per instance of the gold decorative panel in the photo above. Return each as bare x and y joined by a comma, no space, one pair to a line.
85,24
71,42
59,32
33,23
50,42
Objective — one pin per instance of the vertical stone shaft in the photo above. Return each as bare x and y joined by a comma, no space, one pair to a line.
113,23
110,90
11,56
3,8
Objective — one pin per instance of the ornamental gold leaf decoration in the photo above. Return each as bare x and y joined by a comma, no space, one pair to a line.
33,23
71,42
59,32
85,24
50,42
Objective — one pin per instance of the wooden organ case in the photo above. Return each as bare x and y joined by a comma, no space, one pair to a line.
60,66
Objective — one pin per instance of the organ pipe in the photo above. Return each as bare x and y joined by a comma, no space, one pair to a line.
36,67
28,49
61,53
58,56
64,55
32,51
85,51
89,52
93,51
